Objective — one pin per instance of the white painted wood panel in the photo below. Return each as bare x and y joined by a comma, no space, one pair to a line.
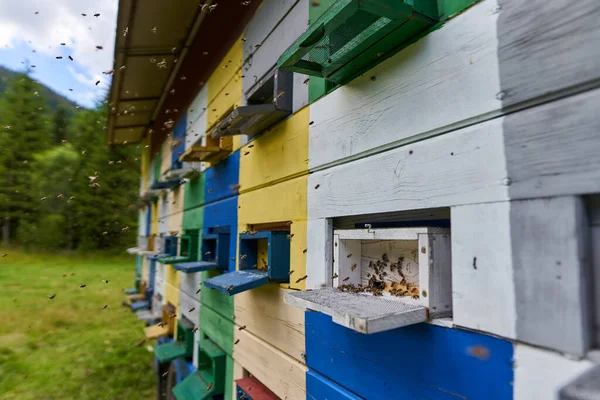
265,57
482,275
187,303
551,271
190,283
163,214
539,374
319,252
466,166
196,118
446,80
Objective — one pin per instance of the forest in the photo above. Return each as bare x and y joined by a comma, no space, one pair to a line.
61,187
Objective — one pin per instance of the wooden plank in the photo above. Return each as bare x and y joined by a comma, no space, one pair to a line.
319,387
261,360
190,283
539,374
388,233
163,214
175,222
435,274
265,315
300,99
536,139
217,328
540,54
368,365
551,272
439,172
197,115
278,154
264,58
155,331
187,303
319,253
482,274
451,75
362,313
347,262
264,20
220,179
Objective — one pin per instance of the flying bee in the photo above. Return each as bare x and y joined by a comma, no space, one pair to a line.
104,307
195,330
192,309
353,267
335,275
346,279
301,279
44,198
291,272
82,286
243,257
306,81
172,316
60,196
52,296
241,328
210,385
290,236
349,255
229,288
198,291
165,374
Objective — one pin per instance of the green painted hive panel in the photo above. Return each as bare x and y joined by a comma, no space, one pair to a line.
353,34
167,352
194,387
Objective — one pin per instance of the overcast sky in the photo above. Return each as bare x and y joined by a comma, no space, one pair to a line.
27,38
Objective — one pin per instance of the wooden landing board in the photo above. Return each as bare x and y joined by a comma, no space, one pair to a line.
360,312
202,153
264,313
155,331
261,360
254,389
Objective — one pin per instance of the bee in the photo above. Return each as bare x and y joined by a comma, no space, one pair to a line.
210,190
192,309
104,307
349,255
105,233
415,297
161,324
97,83
99,47
70,58
171,316
96,15
250,146
236,342
52,296
311,122
104,280
246,153
82,286
71,198
289,236
85,15
235,187
7,128
304,251
306,81
243,257
353,267
210,385
241,328
198,291
208,253
316,187
154,30
346,279
257,45
195,330
44,198
229,288
59,58
60,196
301,279
165,374
291,272
125,229
335,275
316,3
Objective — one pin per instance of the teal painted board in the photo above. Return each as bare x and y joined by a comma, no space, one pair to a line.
192,218
167,352
320,388
278,253
194,192
238,281
220,218
422,361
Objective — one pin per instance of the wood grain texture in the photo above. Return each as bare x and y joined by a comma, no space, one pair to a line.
412,362
285,32
266,316
552,276
319,253
482,275
537,139
439,172
539,374
225,85
541,54
451,75
186,303
217,328
263,360
320,388
220,179
279,153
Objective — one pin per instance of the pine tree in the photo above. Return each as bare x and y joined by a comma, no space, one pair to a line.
25,123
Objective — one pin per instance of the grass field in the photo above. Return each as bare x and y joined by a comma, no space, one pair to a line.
69,347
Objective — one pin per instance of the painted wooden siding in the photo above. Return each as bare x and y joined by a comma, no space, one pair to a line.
163,215
451,76
197,118
424,365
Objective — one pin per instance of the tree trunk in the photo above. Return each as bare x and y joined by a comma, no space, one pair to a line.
6,231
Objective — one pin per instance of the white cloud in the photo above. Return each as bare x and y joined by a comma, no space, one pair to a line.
60,21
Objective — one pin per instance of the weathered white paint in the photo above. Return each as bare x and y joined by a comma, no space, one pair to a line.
482,275
196,340
552,275
190,283
196,118
187,303
446,80
539,374
319,252
163,214
443,171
